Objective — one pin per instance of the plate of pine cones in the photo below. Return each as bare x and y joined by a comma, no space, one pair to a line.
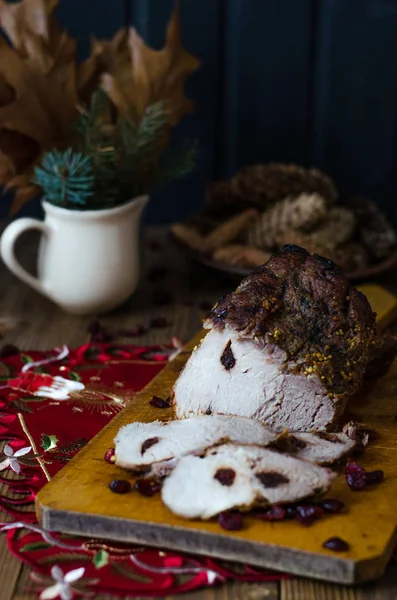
265,206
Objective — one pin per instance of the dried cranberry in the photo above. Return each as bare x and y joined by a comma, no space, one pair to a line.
120,486
225,476
355,476
110,455
372,477
307,513
158,402
332,505
148,444
135,331
8,350
159,323
161,297
227,358
336,544
156,273
272,479
147,487
231,520
274,513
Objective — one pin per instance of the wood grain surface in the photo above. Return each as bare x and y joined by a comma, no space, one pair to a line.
31,322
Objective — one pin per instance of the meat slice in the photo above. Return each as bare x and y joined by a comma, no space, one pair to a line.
289,347
235,476
139,445
321,447
233,375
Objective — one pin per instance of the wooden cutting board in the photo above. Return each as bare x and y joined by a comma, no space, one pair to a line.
78,500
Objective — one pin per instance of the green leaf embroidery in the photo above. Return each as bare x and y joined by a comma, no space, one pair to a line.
35,546
101,559
25,358
48,442
74,376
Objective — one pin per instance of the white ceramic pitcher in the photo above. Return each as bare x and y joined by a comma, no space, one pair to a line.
88,261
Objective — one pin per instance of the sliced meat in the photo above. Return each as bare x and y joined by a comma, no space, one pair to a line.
258,385
139,445
321,447
302,339
234,476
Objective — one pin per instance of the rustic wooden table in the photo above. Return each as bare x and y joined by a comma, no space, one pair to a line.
32,322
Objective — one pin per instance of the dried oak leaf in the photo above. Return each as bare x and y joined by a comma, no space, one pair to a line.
139,76
41,86
33,31
39,118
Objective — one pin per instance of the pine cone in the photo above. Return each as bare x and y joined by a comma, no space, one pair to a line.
220,198
373,231
335,229
291,214
351,257
264,184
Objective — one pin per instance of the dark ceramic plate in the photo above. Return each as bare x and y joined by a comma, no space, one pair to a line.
240,272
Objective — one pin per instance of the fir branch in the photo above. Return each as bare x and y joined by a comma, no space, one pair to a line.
112,162
98,143
177,165
91,121
140,140
66,177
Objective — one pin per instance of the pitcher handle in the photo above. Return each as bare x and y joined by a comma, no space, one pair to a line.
7,251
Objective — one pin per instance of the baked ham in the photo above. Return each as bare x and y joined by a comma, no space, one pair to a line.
142,445
289,347
234,476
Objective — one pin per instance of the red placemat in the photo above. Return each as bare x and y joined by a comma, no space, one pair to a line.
51,405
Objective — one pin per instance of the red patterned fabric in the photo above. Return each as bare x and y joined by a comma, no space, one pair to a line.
54,407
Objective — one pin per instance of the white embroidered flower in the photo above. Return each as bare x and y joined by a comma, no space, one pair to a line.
62,587
12,458
59,389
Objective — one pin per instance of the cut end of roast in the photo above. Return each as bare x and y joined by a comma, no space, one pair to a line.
259,385
290,346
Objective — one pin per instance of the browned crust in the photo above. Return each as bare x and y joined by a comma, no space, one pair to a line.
304,305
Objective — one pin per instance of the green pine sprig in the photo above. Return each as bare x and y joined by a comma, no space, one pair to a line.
66,178
178,164
140,140
111,162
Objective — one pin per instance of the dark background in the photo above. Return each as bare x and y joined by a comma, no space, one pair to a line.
308,81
